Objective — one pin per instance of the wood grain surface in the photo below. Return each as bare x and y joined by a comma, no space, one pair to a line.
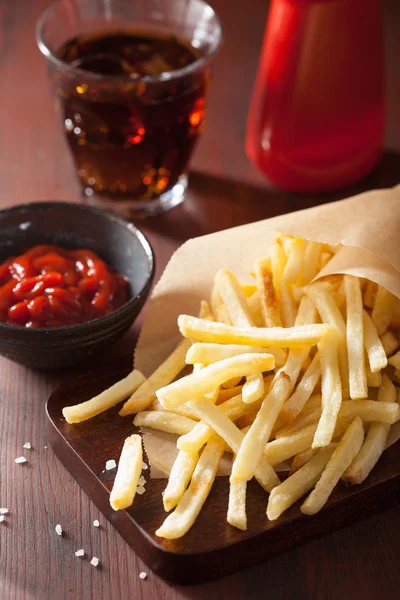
361,560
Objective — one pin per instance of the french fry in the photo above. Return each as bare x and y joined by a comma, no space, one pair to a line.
311,261
285,448
301,459
370,293
194,386
331,314
253,444
128,473
286,302
375,440
390,342
185,514
331,389
164,421
294,262
355,338
300,423
254,303
298,484
253,388
368,411
166,372
295,403
234,299
237,505
222,425
373,345
276,337
324,258
210,353
383,310
268,299
179,478
115,394
395,360
343,455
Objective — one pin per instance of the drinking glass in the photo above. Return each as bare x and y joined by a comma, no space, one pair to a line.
131,137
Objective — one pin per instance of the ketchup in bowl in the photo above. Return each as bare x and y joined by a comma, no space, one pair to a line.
49,286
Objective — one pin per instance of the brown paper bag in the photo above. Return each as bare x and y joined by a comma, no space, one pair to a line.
367,225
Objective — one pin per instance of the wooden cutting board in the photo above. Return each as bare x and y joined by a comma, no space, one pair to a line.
212,548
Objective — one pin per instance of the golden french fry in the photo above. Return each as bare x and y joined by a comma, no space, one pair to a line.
375,440
383,310
210,353
370,293
164,421
287,306
295,403
325,257
186,512
331,389
355,338
254,303
294,262
115,394
373,345
166,372
311,261
285,448
194,386
390,342
394,434
234,299
237,505
331,314
341,458
300,423
395,360
277,337
253,388
298,484
368,411
268,299
128,473
254,442
184,409
179,478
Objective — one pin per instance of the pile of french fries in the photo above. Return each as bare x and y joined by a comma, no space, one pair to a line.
287,371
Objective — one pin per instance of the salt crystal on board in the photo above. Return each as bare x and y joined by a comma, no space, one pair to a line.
96,523
58,529
95,561
27,446
4,511
110,464
20,460
80,552
143,575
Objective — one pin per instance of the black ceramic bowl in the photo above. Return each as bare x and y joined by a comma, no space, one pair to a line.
118,242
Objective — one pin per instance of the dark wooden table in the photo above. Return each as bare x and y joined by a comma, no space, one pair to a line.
361,560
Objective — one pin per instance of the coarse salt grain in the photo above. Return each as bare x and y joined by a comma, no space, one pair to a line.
59,529
20,460
141,481
144,466
80,552
96,523
3,511
143,575
140,490
94,561
27,446
2,517
110,464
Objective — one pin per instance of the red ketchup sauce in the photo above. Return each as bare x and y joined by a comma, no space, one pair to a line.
49,286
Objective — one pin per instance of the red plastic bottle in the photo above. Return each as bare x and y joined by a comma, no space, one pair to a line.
317,117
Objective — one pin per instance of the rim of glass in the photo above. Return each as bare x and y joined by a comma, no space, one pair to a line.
167,76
